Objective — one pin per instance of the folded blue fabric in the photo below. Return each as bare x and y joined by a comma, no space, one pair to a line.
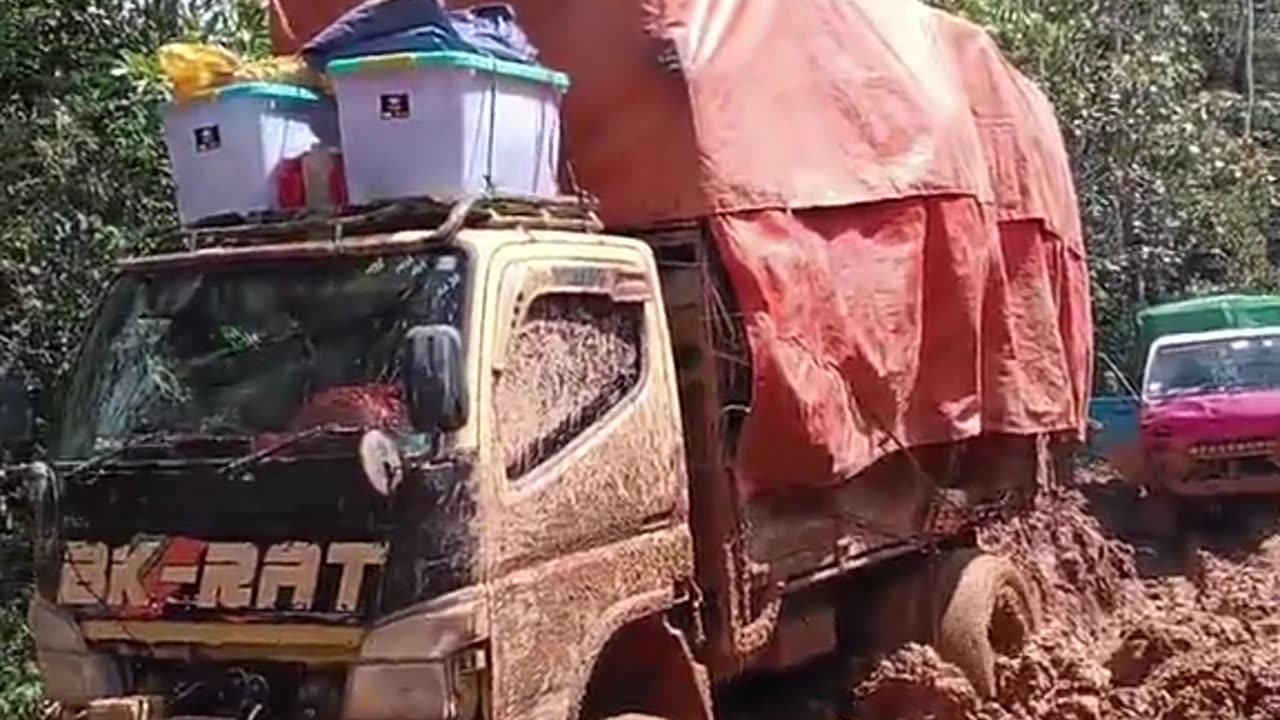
380,27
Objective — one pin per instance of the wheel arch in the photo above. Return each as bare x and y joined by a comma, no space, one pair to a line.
639,663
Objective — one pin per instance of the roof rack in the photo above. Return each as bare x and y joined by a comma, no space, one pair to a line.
443,219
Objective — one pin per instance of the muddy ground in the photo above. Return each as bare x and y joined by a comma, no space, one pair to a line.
1134,627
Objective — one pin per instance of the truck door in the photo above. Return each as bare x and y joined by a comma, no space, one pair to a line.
584,466
1115,420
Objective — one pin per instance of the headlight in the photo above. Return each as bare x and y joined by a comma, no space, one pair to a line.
416,668
381,461
44,490
72,673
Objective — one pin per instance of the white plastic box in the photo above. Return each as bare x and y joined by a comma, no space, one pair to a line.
445,125
226,149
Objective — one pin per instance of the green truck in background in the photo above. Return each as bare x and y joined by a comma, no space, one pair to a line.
1218,312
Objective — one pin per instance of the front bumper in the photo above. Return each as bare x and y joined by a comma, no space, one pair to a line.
424,663
137,707
73,673
1221,476
1225,487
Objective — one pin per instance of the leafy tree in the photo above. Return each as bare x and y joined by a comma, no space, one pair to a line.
83,180
83,175
19,681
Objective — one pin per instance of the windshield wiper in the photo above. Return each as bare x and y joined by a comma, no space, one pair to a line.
106,456
134,442
283,444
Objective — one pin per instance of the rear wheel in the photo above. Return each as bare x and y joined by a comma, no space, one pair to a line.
987,609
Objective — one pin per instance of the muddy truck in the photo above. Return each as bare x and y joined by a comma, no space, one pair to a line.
576,458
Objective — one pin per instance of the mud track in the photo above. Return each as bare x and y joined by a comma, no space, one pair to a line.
1134,628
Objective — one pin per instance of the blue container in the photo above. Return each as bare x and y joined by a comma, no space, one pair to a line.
1117,420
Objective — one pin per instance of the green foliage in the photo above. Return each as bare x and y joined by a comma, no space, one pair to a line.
83,173
83,180
19,682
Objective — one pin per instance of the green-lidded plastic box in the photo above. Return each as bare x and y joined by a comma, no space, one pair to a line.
226,147
447,125
451,59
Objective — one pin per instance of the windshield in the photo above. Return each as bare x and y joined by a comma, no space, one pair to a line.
249,350
1232,364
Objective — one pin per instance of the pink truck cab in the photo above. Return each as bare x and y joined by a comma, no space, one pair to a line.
1210,413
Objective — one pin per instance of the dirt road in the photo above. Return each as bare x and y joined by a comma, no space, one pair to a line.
1134,629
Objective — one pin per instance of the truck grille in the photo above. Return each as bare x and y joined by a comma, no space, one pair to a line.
1234,449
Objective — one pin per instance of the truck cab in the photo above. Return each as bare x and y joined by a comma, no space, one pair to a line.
1211,413
1196,416
360,479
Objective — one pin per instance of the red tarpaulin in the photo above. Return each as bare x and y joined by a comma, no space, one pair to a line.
892,200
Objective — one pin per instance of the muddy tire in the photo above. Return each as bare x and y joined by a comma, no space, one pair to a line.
987,609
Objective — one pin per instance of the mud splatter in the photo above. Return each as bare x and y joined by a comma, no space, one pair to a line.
1200,639
570,362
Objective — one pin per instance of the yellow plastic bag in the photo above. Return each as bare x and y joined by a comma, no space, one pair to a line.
197,70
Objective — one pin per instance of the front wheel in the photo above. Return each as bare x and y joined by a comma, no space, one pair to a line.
987,609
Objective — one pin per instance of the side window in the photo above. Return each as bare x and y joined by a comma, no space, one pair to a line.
572,360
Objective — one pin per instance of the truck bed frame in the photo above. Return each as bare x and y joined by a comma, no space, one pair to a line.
756,555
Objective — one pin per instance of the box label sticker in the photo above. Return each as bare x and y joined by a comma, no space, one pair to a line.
394,106
208,138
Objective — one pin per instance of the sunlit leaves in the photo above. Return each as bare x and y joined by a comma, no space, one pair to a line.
83,169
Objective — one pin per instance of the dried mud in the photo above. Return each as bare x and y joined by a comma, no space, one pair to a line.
1133,629
566,365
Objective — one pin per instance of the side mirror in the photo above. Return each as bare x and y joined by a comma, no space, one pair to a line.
435,383
15,412
1111,383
